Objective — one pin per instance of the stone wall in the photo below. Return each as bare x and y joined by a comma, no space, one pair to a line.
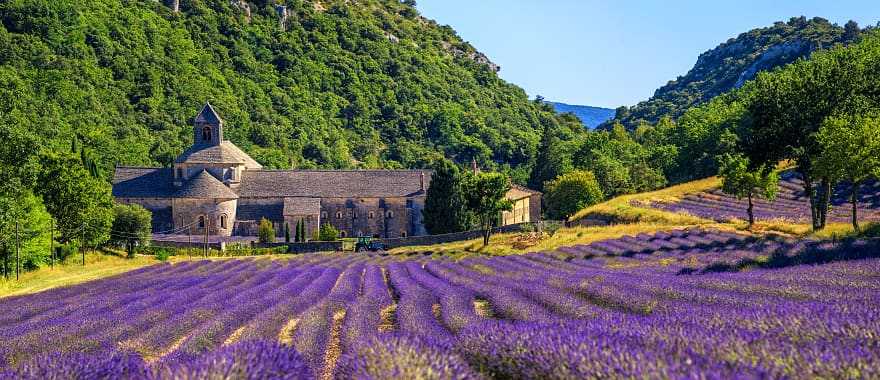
312,222
188,211
379,217
446,238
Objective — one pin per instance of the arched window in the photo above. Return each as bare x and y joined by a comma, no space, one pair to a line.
179,172
323,214
206,134
372,215
308,218
339,215
403,234
223,220
201,221
342,234
389,215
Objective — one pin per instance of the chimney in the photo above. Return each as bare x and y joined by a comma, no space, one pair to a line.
422,181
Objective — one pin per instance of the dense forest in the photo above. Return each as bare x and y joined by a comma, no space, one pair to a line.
305,84
736,61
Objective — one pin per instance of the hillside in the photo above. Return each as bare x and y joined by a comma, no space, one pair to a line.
736,61
329,84
592,117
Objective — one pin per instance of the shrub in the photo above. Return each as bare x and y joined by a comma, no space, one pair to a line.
266,231
328,233
162,254
569,193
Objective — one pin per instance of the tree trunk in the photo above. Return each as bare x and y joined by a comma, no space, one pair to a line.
751,212
855,206
487,231
811,194
824,203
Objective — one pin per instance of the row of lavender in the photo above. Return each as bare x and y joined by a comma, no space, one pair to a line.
790,204
617,308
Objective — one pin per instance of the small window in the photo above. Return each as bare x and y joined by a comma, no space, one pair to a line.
206,134
323,214
179,172
202,221
372,215
354,215
308,218
389,215
339,215
342,234
403,234
223,219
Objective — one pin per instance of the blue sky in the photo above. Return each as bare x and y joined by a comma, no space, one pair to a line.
613,53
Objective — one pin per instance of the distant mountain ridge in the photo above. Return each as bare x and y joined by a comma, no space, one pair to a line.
591,116
736,61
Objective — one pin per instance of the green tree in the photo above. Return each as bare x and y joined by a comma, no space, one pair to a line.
286,232
741,181
132,225
301,230
328,232
485,194
571,192
266,231
81,204
850,152
445,207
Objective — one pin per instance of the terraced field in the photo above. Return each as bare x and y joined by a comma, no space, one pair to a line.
682,304
791,204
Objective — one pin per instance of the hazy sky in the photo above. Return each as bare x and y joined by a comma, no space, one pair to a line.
612,53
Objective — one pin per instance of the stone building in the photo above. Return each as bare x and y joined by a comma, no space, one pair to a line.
215,186
526,206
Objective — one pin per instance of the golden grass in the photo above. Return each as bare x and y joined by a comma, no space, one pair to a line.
98,265
627,207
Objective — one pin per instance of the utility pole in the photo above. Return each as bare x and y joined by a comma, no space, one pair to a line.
206,235
83,242
52,244
17,251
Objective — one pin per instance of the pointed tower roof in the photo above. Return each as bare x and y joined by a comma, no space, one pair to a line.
205,186
208,115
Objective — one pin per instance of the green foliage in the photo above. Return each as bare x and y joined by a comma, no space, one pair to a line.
266,231
364,84
286,232
736,61
741,181
485,195
301,231
131,226
328,232
162,254
445,207
571,192
619,162
850,152
81,205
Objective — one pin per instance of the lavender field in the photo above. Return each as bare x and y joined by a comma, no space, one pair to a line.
679,304
791,204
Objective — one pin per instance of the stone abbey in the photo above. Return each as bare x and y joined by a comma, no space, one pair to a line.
215,187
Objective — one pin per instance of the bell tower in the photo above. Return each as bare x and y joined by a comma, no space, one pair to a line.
207,127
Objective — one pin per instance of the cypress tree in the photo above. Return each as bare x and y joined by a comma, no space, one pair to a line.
302,230
287,232
445,209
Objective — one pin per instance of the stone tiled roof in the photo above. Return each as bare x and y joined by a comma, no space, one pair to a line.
208,115
333,183
224,153
302,206
205,186
133,182
254,212
520,192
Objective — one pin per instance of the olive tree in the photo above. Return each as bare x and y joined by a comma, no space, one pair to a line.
742,181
